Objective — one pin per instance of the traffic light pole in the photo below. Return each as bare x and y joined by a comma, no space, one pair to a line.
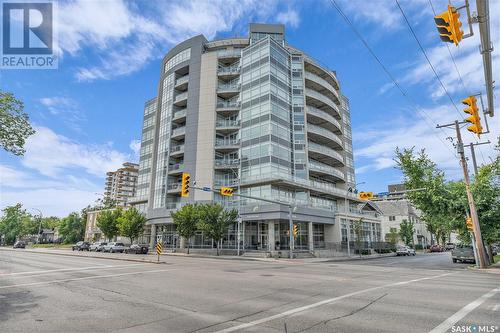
473,154
470,199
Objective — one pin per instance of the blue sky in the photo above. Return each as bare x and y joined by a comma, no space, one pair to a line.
88,112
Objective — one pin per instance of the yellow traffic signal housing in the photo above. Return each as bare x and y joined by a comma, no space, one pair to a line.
185,184
468,222
474,118
449,26
226,191
295,230
365,195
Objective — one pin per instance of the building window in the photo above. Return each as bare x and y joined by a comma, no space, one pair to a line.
392,218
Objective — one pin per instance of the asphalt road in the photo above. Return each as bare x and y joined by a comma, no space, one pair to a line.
52,293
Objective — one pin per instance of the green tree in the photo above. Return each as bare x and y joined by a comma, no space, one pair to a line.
186,220
392,236
51,222
107,221
72,228
215,221
14,124
13,221
131,224
406,232
358,231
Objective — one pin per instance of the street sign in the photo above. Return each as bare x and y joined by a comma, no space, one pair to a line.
158,250
207,189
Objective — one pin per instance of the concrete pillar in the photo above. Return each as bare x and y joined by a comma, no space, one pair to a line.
270,236
310,236
152,240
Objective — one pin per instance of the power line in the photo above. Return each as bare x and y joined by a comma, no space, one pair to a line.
427,58
403,92
452,57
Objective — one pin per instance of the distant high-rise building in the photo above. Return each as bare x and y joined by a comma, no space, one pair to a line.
121,184
264,118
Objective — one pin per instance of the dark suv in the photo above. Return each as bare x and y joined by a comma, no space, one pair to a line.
81,246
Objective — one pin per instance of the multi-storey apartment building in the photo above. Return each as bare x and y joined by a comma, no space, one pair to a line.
263,117
121,184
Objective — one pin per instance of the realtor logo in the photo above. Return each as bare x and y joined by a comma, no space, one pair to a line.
28,35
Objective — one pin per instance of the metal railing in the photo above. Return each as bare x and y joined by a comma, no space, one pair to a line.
325,150
326,168
319,80
322,98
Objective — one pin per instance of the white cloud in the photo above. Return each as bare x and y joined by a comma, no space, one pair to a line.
51,153
131,37
135,145
66,109
289,17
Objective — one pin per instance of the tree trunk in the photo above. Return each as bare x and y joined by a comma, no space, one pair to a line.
217,248
189,244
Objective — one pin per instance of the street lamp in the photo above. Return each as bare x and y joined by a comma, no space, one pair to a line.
351,189
39,224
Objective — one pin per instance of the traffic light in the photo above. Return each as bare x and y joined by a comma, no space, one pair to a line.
295,230
185,184
449,25
226,191
468,222
474,118
365,195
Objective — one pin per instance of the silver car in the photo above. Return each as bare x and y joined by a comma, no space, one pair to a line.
97,246
113,247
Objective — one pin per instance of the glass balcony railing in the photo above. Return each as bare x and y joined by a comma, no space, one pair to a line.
326,168
325,133
179,131
174,167
322,98
323,115
228,105
181,97
227,142
182,80
173,187
227,163
325,150
225,53
228,87
324,83
226,182
179,114
229,70
177,148
227,123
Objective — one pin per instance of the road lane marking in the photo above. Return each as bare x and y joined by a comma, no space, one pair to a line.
448,323
320,303
49,271
84,278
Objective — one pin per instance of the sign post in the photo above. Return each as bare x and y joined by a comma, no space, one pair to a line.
158,250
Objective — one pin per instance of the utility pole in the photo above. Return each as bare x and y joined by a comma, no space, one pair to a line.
470,199
473,153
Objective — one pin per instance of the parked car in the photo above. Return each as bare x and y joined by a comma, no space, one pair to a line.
463,253
436,248
449,246
81,246
138,249
405,251
19,245
113,247
97,246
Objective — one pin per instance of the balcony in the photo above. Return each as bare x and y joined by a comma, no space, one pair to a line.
227,144
323,135
178,132
227,126
325,154
181,99
225,108
226,182
316,116
228,72
182,83
177,150
323,86
312,66
179,116
325,169
174,188
227,163
175,168
229,54
320,101
228,90
325,186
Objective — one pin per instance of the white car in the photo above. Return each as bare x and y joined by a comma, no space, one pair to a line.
113,247
405,251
